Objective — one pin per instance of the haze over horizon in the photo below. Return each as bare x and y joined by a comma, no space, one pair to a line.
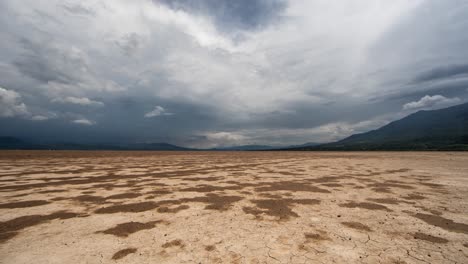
213,73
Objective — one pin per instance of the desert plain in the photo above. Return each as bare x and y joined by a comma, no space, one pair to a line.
233,207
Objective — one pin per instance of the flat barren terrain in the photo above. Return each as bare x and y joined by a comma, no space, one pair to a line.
233,207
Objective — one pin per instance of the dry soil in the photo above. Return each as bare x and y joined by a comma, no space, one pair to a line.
233,207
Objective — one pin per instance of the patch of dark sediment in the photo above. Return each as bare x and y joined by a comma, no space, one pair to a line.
210,248
19,195
328,179
126,229
358,226
398,170
281,208
215,202
315,236
212,201
413,196
107,181
128,208
88,192
444,223
11,228
165,209
390,184
202,178
384,200
52,191
23,204
290,186
332,185
124,196
204,188
123,253
89,199
174,243
430,238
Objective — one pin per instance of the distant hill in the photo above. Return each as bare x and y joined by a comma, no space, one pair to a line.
444,129
308,144
154,146
244,148
16,143
13,143
262,147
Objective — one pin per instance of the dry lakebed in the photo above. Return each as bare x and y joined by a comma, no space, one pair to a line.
233,207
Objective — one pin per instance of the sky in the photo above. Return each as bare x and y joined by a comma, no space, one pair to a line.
214,73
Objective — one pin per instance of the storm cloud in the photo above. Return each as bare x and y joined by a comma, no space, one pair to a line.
233,15
443,72
212,73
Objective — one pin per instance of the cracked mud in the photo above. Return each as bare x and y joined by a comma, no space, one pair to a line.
233,207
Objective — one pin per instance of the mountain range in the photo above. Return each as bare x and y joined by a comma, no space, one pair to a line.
443,129
262,147
16,143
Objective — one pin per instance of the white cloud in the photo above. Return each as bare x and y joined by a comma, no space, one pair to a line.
224,139
11,104
157,111
84,121
78,100
432,102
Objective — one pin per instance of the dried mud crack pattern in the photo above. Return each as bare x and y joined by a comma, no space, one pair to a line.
233,207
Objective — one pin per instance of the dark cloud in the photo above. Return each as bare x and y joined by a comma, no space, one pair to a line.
233,15
50,64
443,72
448,88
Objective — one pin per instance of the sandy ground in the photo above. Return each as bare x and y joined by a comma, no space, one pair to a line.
233,207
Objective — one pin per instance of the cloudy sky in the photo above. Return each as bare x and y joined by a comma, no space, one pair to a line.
205,73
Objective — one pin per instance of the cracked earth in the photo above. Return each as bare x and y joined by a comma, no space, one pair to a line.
233,207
